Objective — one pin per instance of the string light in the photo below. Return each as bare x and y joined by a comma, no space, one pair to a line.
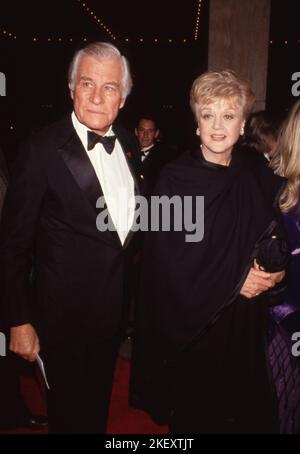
197,20
157,40
39,39
8,34
96,19
285,42
140,40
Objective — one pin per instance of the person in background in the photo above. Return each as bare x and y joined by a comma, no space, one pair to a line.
204,301
286,316
261,133
13,410
153,155
69,211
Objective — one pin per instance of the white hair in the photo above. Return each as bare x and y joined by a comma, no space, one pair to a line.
101,51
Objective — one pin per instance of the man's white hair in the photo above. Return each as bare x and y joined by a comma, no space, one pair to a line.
101,51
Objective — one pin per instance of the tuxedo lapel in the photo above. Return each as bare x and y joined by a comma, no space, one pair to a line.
80,166
76,159
130,154
82,170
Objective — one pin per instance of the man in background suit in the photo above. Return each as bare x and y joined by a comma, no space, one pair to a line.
74,312
153,155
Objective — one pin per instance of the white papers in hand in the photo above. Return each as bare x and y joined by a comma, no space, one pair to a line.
42,369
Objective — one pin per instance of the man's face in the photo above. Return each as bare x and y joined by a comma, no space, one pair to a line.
146,133
97,95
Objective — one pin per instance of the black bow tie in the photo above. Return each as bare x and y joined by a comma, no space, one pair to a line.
107,141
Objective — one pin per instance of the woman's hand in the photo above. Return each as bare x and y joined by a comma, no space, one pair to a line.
259,281
278,276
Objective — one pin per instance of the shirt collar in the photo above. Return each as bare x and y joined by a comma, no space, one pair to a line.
82,130
146,149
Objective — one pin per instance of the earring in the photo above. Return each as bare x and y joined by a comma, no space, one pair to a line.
197,132
242,132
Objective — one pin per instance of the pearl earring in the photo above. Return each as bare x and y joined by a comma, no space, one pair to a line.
242,131
197,132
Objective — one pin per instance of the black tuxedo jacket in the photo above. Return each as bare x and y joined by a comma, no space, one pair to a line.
61,274
151,167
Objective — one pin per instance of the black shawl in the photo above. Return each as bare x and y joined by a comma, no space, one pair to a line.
185,285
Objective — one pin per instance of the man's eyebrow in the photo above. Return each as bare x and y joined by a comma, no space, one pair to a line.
85,78
117,84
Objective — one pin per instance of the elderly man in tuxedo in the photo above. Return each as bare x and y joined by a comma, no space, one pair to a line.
67,180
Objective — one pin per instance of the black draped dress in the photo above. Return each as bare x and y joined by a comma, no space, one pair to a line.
199,360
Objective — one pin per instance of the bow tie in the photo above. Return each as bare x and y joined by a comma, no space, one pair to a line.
107,141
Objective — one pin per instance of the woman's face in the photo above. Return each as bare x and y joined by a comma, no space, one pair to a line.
220,123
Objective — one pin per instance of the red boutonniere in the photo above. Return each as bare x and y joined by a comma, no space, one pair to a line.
129,154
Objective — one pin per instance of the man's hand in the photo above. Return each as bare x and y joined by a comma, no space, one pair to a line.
24,341
259,281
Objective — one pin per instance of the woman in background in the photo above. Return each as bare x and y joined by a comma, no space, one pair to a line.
286,163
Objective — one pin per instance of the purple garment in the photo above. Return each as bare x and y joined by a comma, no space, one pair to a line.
286,378
292,224
285,320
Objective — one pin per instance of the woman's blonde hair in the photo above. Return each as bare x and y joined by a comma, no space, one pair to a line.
221,84
286,161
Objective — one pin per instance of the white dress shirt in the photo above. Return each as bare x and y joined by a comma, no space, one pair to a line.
146,151
115,179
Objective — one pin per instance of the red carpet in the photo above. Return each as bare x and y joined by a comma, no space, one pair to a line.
122,419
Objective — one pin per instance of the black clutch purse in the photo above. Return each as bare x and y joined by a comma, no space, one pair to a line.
273,254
